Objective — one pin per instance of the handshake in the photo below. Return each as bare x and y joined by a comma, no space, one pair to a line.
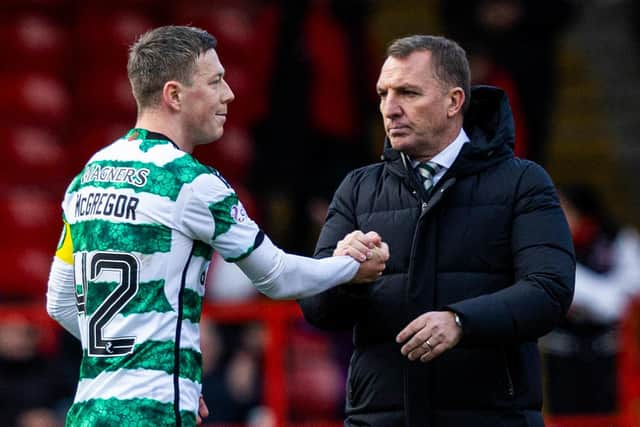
369,250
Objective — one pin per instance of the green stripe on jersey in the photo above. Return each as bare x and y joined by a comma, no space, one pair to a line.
221,212
153,355
150,297
202,250
163,181
126,413
100,235
192,305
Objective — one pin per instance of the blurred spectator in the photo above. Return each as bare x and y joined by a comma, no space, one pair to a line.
312,365
321,100
581,354
522,36
31,387
635,20
485,71
231,369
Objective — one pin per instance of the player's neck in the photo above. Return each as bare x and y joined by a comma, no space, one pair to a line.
156,122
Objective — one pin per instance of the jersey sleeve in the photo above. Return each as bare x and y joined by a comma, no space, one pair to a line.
211,212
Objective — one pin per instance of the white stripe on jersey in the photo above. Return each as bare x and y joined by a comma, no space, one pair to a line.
141,384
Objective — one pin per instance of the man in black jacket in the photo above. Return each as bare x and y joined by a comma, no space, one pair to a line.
481,263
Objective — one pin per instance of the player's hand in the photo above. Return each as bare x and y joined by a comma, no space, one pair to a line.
373,267
203,411
429,335
369,250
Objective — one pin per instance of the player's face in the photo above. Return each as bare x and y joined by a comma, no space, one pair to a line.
414,105
205,101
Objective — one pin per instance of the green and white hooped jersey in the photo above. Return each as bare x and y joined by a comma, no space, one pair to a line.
144,219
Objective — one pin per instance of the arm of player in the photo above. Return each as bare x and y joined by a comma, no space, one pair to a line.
61,294
209,210
280,275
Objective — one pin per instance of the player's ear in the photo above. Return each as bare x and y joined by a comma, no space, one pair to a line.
171,95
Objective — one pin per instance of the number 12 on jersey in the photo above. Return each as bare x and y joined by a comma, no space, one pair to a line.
100,272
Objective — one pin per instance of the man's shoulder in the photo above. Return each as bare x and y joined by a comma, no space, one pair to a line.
370,171
517,166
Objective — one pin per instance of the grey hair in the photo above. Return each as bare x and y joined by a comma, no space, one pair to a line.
164,54
449,60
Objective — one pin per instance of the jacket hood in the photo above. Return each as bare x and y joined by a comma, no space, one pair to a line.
489,124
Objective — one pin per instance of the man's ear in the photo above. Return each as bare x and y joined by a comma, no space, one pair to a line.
456,101
171,95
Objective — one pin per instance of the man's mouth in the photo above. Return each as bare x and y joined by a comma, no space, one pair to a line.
397,129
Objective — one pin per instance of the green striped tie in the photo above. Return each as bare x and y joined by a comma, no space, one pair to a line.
427,170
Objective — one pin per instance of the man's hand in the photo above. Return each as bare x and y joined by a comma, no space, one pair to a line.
203,411
358,245
429,335
369,250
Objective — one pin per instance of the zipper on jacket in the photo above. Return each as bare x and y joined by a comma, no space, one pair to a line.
510,388
435,197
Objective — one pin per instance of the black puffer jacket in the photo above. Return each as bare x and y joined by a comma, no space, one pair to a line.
491,244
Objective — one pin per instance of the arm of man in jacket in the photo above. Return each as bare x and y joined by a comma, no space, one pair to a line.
544,269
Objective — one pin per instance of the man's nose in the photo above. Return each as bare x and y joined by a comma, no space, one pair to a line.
390,107
228,94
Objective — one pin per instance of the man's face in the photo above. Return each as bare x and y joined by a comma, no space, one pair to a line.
414,105
205,100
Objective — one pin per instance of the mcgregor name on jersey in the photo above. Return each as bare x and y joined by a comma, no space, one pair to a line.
106,204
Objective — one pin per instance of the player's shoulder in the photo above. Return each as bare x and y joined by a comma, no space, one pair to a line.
211,185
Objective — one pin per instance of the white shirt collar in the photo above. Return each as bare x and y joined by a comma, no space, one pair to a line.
446,157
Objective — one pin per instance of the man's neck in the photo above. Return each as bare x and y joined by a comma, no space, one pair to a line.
157,122
446,138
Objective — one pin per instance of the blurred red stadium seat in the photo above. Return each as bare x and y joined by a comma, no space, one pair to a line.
7,5
32,226
246,31
34,98
34,156
34,42
25,271
104,92
90,137
103,34
31,216
229,21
